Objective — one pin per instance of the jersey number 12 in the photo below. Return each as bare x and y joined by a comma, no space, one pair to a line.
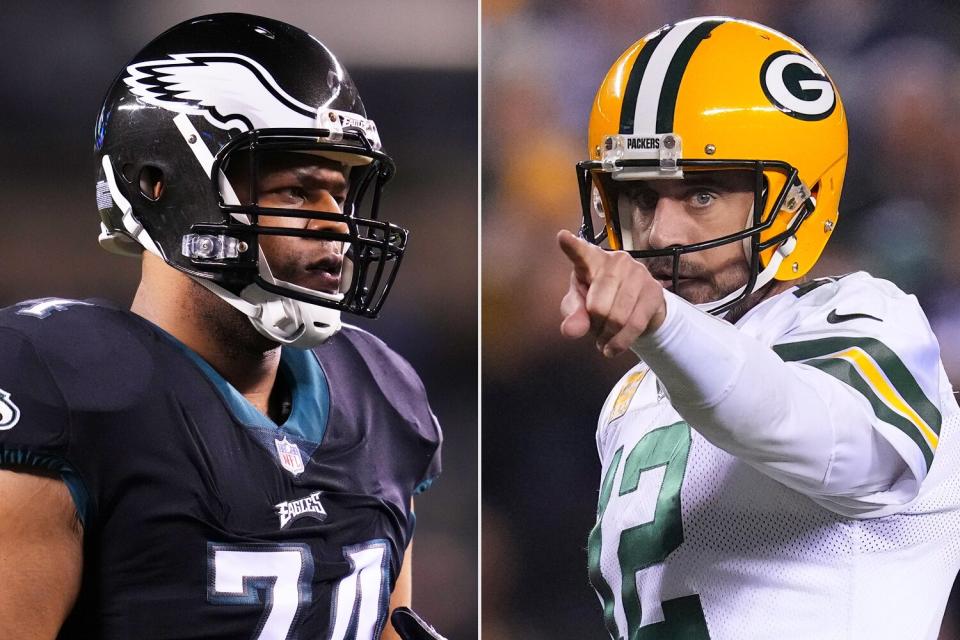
637,534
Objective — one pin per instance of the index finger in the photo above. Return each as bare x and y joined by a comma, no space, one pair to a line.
581,253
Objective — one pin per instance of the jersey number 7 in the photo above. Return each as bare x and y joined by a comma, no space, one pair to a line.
283,573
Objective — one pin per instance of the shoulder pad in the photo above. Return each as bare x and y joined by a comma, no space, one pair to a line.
97,355
391,370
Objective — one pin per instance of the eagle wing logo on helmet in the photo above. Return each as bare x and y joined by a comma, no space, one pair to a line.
229,90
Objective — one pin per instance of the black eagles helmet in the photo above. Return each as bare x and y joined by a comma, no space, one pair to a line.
230,87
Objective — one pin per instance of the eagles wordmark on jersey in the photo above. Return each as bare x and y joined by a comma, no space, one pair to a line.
197,523
694,542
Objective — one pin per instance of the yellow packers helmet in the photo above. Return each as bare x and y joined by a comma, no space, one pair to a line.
719,93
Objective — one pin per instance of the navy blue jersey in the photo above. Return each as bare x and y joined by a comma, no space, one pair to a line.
202,518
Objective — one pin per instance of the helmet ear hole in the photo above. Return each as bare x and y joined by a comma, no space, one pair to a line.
151,182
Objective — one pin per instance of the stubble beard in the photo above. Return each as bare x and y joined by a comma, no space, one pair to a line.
704,286
230,328
708,288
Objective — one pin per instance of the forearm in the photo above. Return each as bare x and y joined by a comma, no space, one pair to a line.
792,422
402,595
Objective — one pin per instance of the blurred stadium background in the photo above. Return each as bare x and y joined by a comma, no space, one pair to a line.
897,65
415,64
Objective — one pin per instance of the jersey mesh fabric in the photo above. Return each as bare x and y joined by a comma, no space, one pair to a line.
769,562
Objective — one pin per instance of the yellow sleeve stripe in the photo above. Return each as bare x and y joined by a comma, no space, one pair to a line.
881,385
880,376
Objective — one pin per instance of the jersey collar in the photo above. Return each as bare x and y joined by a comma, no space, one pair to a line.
309,392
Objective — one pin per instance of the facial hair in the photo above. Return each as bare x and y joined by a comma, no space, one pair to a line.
706,286
230,328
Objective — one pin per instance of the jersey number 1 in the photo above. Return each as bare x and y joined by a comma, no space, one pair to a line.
280,576
638,534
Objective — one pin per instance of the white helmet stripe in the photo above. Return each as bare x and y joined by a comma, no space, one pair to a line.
650,98
200,151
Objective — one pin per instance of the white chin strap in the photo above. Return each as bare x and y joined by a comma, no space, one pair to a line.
282,319
290,321
763,278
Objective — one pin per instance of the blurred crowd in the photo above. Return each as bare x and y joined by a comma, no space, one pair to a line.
897,66
57,66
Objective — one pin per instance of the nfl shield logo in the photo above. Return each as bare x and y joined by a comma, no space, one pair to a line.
289,455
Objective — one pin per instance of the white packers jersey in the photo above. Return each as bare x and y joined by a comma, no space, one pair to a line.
693,543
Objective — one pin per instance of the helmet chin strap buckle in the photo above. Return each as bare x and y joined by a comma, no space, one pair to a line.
289,320
787,246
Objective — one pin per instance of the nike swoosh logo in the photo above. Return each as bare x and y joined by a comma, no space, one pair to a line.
833,317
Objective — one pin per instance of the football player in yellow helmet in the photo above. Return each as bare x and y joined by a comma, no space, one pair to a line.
720,94
797,457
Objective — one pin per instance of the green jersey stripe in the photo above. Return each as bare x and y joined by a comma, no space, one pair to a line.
888,361
594,542
807,287
847,373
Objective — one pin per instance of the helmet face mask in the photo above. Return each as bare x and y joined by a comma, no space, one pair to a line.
716,94
603,223
217,95
373,248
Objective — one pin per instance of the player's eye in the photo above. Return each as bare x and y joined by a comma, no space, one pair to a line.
305,196
702,199
289,196
292,193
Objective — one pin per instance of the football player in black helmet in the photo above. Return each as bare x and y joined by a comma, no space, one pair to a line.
228,460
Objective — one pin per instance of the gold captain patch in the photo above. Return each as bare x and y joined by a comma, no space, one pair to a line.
626,394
